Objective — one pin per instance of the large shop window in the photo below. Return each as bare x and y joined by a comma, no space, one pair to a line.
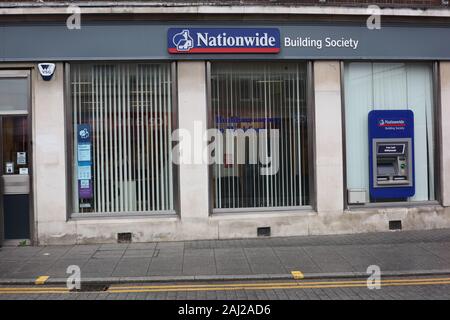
389,86
264,106
122,123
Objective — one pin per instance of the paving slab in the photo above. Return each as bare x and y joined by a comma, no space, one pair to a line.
132,267
405,252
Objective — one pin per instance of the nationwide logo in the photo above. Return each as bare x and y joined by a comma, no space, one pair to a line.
223,40
391,123
84,133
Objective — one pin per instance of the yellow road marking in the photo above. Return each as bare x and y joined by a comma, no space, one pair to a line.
236,286
34,288
272,287
41,280
34,292
291,283
297,275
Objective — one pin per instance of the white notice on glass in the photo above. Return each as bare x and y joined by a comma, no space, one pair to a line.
84,172
21,158
84,152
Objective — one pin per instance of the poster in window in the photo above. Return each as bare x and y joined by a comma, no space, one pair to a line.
84,152
84,172
85,188
21,158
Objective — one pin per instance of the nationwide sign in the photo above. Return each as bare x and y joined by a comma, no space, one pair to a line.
223,40
391,123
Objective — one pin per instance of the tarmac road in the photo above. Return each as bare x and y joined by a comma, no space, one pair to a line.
399,288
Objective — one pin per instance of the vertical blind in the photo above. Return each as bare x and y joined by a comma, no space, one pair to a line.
129,109
387,86
259,96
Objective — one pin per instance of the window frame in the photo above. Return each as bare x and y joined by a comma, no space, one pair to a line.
69,143
436,135
310,110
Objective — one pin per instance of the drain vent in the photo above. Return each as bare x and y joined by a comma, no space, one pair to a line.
263,232
395,225
92,288
124,237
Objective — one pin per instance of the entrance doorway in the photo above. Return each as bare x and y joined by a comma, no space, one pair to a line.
15,158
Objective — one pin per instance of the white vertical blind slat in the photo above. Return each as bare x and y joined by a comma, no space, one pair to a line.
169,132
138,126
129,109
272,96
299,138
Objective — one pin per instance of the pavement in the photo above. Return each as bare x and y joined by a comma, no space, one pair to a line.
397,253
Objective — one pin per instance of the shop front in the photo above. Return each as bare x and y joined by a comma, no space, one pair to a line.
151,131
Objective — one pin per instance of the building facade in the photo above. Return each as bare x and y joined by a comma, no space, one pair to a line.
142,121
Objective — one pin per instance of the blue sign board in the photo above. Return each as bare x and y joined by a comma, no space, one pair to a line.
223,40
84,153
154,40
391,154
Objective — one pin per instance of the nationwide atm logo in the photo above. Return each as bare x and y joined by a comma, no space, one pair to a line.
391,123
223,40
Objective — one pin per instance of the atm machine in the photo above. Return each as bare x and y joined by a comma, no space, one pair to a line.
391,154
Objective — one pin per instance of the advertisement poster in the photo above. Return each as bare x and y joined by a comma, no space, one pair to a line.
84,172
21,158
84,152
85,189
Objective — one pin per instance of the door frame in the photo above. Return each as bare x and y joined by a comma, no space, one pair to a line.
20,73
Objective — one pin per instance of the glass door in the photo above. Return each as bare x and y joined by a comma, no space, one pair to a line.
15,177
15,158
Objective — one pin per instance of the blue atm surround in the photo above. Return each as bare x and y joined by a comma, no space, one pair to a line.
390,127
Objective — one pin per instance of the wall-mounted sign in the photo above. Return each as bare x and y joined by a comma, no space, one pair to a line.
151,40
223,40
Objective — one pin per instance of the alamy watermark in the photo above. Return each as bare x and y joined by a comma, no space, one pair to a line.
374,20
73,22
228,147
74,280
374,279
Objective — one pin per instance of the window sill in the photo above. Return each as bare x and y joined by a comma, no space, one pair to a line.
267,212
130,215
391,205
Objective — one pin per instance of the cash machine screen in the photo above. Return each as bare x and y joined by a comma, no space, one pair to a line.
391,149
